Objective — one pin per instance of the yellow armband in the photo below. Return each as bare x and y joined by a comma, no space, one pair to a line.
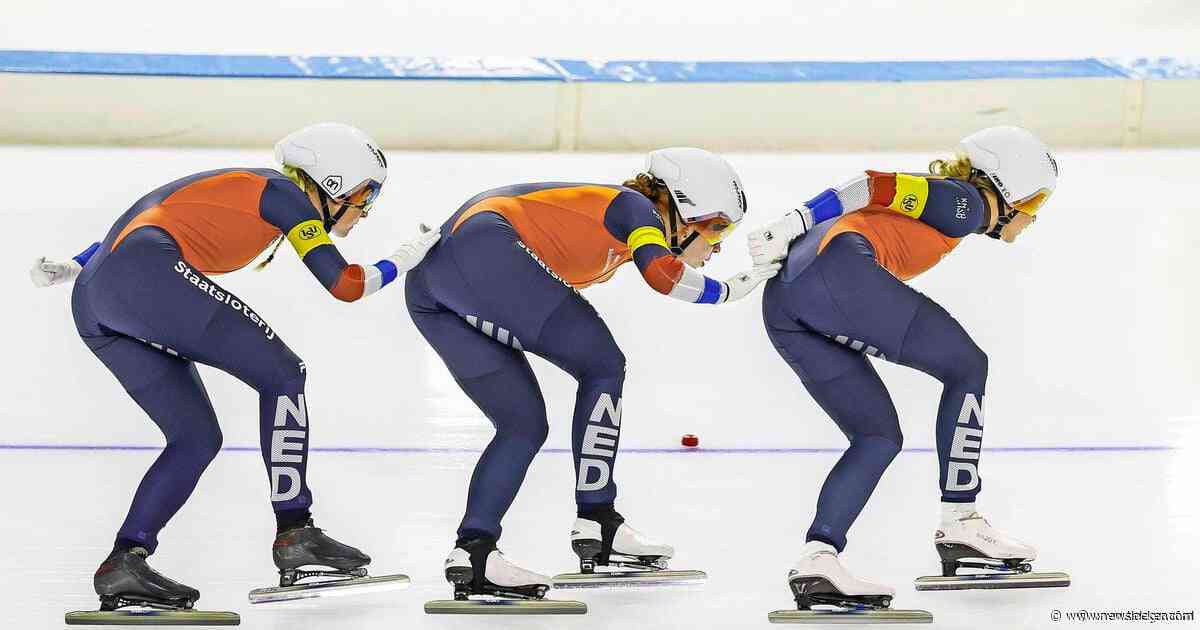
646,236
308,236
911,194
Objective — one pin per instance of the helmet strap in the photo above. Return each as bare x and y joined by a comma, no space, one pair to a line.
676,247
687,242
1001,222
330,221
1004,211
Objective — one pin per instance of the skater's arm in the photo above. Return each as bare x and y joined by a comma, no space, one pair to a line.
286,207
84,256
769,243
48,272
631,218
951,206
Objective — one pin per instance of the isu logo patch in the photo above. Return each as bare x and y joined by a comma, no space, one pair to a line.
310,232
909,202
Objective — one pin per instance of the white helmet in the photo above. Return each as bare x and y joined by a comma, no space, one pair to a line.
342,160
1017,162
702,184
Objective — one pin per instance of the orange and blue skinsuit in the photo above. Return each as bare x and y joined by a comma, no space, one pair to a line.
146,306
841,298
504,280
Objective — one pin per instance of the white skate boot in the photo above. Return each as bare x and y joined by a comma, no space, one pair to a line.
478,570
819,579
608,542
964,539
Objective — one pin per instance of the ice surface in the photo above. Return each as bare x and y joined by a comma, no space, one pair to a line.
1088,321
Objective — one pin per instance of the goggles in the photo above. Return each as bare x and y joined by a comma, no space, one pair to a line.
1031,204
715,230
361,196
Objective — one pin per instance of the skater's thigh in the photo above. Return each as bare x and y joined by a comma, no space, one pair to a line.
497,378
578,341
470,346
484,271
855,301
167,387
146,291
842,381
938,345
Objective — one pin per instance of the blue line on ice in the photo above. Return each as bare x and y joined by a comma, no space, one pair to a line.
708,451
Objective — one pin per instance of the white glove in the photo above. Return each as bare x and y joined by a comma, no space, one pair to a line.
47,272
769,244
742,284
412,252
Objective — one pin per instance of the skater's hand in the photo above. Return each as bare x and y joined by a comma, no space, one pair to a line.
769,244
48,272
742,284
412,252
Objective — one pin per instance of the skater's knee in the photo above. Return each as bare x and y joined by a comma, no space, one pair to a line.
201,439
537,434
886,444
608,362
967,363
528,436
281,371
210,443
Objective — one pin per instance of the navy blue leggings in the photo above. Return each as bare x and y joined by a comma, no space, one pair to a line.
824,322
482,298
149,316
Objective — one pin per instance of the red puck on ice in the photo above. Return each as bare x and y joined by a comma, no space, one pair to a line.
690,441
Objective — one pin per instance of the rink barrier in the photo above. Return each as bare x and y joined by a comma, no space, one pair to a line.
535,103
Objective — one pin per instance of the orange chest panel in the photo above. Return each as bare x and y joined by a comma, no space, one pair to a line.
565,228
904,246
216,221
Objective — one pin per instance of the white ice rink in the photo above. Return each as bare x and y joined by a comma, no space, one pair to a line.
1092,441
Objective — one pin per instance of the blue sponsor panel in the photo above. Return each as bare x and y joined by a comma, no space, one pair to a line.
280,67
804,71
575,70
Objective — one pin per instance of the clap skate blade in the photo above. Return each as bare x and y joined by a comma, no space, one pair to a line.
349,582
998,574
493,599
838,608
646,571
485,605
149,614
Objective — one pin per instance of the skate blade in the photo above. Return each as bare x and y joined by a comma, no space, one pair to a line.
331,588
628,579
881,615
152,618
992,580
505,607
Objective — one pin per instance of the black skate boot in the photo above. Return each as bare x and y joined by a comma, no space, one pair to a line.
307,545
486,582
124,579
